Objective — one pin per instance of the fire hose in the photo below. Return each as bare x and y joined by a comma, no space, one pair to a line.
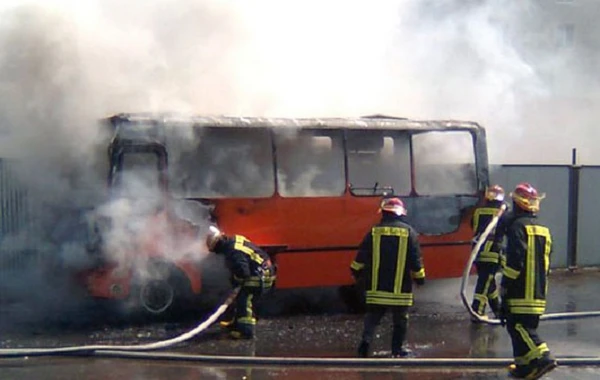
90,349
465,277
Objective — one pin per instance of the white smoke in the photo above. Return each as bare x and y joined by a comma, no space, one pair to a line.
66,63
77,61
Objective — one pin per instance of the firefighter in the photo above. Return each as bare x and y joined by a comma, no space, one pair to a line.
489,258
524,284
387,262
251,269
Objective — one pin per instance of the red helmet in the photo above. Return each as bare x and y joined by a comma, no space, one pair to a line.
393,205
494,193
526,197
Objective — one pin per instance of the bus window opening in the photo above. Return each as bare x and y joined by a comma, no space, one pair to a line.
445,180
310,164
139,176
232,162
444,163
378,162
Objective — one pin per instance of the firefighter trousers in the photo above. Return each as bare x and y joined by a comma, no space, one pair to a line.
526,343
373,316
486,291
244,314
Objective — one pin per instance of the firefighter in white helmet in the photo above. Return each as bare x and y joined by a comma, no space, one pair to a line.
387,262
251,269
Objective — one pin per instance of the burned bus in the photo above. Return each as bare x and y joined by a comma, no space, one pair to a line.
306,190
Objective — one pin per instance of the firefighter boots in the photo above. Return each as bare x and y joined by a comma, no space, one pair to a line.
534,370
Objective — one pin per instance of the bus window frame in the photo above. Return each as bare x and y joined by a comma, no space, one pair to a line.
119,148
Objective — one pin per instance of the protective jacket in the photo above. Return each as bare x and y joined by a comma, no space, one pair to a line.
491,249
249,265
528,250
389,258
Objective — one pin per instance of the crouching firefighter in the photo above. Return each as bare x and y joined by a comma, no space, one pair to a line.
490,256
525,283
387,262
251,269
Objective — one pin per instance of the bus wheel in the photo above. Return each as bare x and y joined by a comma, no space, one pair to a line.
164,292
156,295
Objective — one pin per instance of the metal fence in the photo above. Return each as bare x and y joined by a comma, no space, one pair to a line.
570,209
14,208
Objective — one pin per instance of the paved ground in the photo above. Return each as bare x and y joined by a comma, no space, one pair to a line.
439,329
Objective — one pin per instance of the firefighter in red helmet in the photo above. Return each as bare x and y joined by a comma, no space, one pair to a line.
387,262
489,258
525,282
251,269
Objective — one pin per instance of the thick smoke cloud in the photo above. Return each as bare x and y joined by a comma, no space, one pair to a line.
64,64
68,63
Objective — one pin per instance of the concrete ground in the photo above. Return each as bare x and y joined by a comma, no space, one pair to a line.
439,328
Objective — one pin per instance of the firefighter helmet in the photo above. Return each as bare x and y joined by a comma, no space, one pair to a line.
526,197
213,237
494,193
393,205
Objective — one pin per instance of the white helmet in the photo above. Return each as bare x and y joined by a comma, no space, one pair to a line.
213,237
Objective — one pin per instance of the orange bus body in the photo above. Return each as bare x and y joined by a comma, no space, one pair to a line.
319,244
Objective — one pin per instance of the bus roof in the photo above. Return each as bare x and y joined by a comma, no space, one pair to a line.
364,122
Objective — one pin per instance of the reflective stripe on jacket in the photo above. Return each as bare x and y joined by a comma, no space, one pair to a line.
389,258
249,265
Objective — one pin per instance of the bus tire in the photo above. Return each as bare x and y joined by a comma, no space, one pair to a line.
165,292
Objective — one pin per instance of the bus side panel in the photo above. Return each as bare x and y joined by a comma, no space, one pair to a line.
306,226
445,261
299,223
310,269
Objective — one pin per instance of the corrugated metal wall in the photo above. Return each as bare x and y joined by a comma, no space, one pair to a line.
14,215
588,217
554,181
